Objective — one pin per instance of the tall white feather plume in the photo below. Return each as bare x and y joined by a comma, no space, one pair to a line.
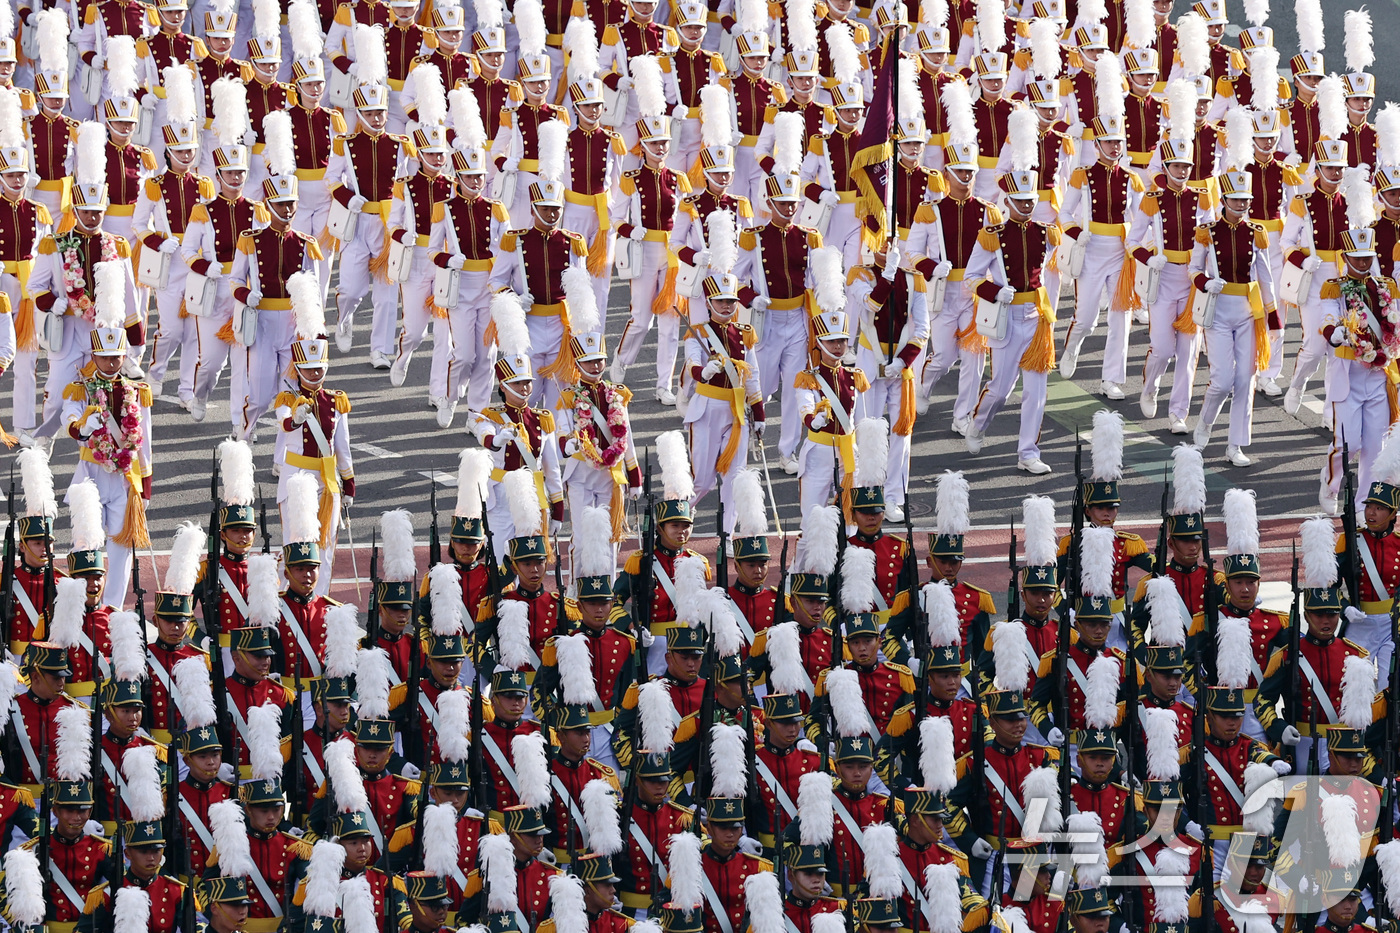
431,95
816,818
752,15
674,459
466,117
724,626
1045,48
512,336
396,533
657,710
24,885
473,471
121,65
944,625
1360,197
73,743
1162,601
581,39
1233,653
196,696
716,115
1038,519
185,552
308,309
231,121
872,447
1090,857
911,102
530,767
1388,134
583,303
686,869
1092,11
801,25
724,246
951,501
1310,33
1319,556
1387,860
445,598
600,817
858,590
991,24
70,598
1160,729
374,677
1101,694
235,472
90,161
263,598
1096,558
131,910
1041,784
1024,135
553,145
128,647
109,292
357,906
1171,900
730,773
566,902
1193,44
1360,50
649,85
852,718
498,864
1239,139
785,652
934,13
1241,522
576,669
344,774
143,796
1140,26
1358,692
441,850
749,505
1188,480
1010,655
1015,919
53,39
957,110
819,530
1331,108
267,18
513,633
937,764
179,94
592,545
841,47
1256,12
830,278
264,738
1181,109
882,866
323,878
944,898
1339,829
454,725
304,25
228,826
765,902
787,142
1263,67
488,13
1109,92
371,54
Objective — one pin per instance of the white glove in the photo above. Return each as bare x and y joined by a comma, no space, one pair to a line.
302,413
503,437
98,63
1215,286
702,259
982,849
819,421
1076,130
750,846
893,368
92,828
624,84
829,199
554,526
348,500
254,299
526,300
1006,295
891,268
570,447
456,261
91,425
1291,736
1157,262
296,831
942,270
711,370
354,70
682,112
227,774
778,55
249,138
894,256
1193,829
357,204
760,304
1055,736
1338,336
1281,767
1353,614
169,245
1311,264
512,164
759,427
638,232
411,771
634,493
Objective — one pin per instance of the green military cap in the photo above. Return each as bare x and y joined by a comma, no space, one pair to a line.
868,498
812,585
862,623
1168,658
1102,492
1225,701
263,792
203,739
1185,525
1340,882
877,912
175,605
527,547
467,529
946,546
1384,494
925,802
1156,793
302,552
72,793
679,920
1088,902
1250,847
682,637
781,706
656,766
34,527
730,668
1344,741
1241,565
1030,855
1323,599
374,733
449,774
504,922
1096,740
445,647
349,825
1094,607
523,821
508,681
332,690
571,716
254,639
855,748
725,810
805,858
595,869
226,890
122,693
597,587
82,563
945,658
395,593
141,834
427,888
752,548
1040,577
237,516
48,657
674,510
1009,704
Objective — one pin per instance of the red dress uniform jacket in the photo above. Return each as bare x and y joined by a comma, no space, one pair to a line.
960,713
890,550
504,794
800,913
588,157
243,694
657,825
267,98
545,257
174,48
309,614
83,861
279,255
1042,912
120,17
212,69
1150,851
572,776
663,612
786,767
426,723
80,660
1384,548
984,806
312,134
425,194
1222,810
113,752
917,859
390,799
235,568
180,194
1263,626
125,166
1361,144
376,161
991,119
276,855
1178,212
454,68
165,892
1268,180
727,876
1329,220
1143,124
199,798
230,220
544,617
528,119
1230,909
491,97
1128,550
163,714
758,607
692,70
51,137
914,186
26,626
864,810
403,42
660,195
19,224
785,251
962,221
1307,127
1109,801
752,98
37,718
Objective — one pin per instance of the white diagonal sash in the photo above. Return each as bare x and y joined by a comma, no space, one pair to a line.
159,672
114,774
843,417
226,586
25,603
302,641
776,786
856,832
1318,690
911,887
499,758
268,897
716,904
718,348
664,579
196,824
999,785
66,886
1225,780
26,745
569,804
743,620
1373,572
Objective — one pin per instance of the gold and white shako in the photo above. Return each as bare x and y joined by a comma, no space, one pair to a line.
180,136
514,367
265,50
831,325
469,161
588,346
14,159
960,156
784,186
587,91
280,188
231,158
722,287
547,194
371,97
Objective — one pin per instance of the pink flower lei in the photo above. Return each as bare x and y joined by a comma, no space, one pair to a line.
75,283
117,452
615,414
1370,347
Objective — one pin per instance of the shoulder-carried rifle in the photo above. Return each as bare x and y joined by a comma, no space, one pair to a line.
434,545
372,622
1206,879
213,628
1073,590
644,595
1295,672
262,523
7,574
297,782
1351,562
704,777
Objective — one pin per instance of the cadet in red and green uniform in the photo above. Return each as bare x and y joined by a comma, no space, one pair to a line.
673,526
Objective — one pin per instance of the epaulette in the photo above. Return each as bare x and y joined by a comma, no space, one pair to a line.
546,420
959,857
148,158
299,848
412,788
342,402
153,187
75,392
95,899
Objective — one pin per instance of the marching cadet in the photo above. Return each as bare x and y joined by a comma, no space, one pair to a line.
696,68
921,847
857,806
1356,323
493,92
656,820
209,779
1242,581
1248,862
727,406
684,655
753,602
594,158
50,130
827,167
122,709
725,864
781,758
1230,261
515,147
1019,249
45,667
461,826
1275,185
361,172
463,242
776,262
623,43
29,596
466,548
869,510
266,96
143,845
303,614
330,709
803,99
595,436
82,630
945,561
826,397
394,597
251,684
277,855
220,25
594,872
443,52
443,657
237,527
529,872
806,880
1375,550
388,893
1162,237
27,223
754,93
571,769
991,111
1324,660
391,799
1359,89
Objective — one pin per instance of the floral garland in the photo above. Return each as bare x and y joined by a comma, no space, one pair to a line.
1369,346
586,431
75,283
116,454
